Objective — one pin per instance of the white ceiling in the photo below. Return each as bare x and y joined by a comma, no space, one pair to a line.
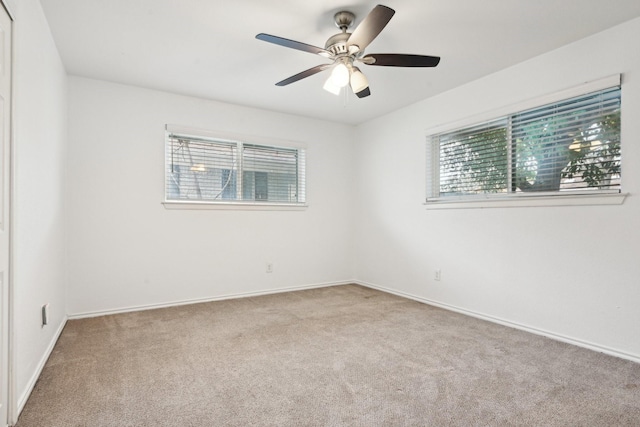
207,48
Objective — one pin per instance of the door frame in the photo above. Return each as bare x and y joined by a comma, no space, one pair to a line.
10,7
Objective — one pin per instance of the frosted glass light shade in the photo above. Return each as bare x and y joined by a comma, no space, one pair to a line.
330,87
340,75
358,81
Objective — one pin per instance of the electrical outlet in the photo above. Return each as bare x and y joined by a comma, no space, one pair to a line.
45,314
437,275
269,267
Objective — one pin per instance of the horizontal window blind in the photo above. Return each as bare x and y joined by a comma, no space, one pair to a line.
474,160
270,173
571,145
205,169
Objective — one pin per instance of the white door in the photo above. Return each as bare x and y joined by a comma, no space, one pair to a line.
5,190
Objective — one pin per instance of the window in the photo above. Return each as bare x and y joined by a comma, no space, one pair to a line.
216,170
570,146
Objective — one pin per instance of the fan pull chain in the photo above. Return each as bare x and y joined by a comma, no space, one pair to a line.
345,96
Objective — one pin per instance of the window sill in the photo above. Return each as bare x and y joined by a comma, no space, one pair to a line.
247,206
527,201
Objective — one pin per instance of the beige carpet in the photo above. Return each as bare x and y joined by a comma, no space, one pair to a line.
339,356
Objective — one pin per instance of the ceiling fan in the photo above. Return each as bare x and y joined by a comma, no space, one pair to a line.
344,49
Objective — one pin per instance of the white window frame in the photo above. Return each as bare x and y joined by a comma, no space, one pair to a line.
510,200
240,140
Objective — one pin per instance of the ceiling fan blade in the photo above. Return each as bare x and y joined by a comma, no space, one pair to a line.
370,26
294,44
304,74
400,60
364,93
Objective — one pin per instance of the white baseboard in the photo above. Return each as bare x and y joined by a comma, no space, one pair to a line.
206,299
504,322
22,400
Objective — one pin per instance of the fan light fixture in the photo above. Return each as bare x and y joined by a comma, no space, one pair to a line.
340,75
339,78
358,81
330,87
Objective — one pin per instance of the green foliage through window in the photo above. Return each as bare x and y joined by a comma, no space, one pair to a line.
566,146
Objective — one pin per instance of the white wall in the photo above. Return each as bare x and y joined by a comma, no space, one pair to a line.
126,250
569,271
39,216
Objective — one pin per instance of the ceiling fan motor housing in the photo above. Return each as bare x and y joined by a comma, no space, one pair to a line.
337,44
